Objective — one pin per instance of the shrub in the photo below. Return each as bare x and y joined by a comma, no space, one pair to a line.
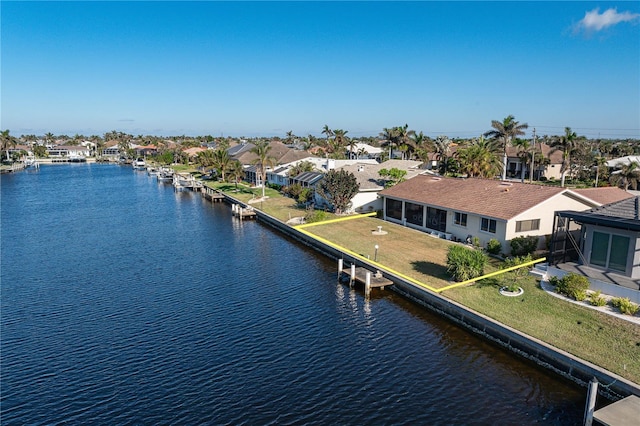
625,305
315,216
464,263
597,299
494,246
476,242
574,286
522,246
511,279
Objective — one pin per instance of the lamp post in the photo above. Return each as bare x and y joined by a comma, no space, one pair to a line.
375,255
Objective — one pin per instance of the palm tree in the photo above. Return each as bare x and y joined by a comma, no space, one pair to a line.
481,158
236,171
221,161
504,131
327,132
566,143
524,154
205,159
628,175
390,138
264,160
443,148
403,134
7,142
421,145
599,162
49,138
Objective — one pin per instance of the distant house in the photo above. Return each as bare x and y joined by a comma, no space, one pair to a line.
371,183
194,151
111,149
279,153
145,150
487,209
69,151
602,243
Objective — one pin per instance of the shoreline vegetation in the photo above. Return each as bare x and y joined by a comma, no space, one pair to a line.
604,340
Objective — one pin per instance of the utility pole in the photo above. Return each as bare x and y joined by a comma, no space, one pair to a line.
533,156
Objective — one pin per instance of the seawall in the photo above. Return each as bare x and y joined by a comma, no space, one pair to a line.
613,386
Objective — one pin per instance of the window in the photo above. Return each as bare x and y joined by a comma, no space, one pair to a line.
460,218
609,251
527,225
394,209
488,225
437,219
413,213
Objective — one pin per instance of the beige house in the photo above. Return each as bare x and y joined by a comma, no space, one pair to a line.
464,209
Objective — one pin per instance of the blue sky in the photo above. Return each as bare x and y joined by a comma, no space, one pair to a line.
264,68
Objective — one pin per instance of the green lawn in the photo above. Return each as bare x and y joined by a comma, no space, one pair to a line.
602,339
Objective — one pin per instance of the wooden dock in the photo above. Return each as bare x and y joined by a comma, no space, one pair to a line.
364,276
212,194
243,212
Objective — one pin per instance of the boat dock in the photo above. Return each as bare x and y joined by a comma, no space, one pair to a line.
243,212
364,276
186,180
212,195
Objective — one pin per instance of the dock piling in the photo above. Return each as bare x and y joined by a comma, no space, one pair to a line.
367,284
592,392
352,280
340,266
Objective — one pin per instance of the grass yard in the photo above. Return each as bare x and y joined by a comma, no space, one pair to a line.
602,339
410,252
599,338
594,336
276,205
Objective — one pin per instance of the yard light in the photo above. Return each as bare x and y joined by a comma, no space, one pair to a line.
375,255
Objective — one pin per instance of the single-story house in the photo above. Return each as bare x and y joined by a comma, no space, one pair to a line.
461,209
371,183
602,243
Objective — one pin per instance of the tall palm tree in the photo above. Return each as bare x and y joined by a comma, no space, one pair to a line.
221,161
524,154
599,162
49,138
421,145
264,160
404,138
7,142
504,132
443,149
390,138
627,176
236,171
566,143
327,132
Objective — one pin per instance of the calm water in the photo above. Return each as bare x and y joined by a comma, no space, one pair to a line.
124,302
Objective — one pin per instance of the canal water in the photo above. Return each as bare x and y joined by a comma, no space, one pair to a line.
125,302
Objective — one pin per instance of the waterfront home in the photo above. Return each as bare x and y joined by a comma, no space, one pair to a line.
69,151
280,154
111,150
146,150
466,209
602,243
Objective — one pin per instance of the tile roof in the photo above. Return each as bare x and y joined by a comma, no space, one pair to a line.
486,197
604,195
625,209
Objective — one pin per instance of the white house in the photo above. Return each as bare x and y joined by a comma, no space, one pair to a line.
483,208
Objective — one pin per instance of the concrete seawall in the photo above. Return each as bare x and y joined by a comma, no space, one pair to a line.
613,387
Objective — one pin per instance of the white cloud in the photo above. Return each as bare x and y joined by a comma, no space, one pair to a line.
596,21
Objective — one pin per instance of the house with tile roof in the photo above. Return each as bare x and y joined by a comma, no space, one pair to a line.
461,209
602,243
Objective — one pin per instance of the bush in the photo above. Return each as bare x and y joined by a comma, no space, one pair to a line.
315,216
625,305
522,246
494,246
574,286
597,299
464,263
